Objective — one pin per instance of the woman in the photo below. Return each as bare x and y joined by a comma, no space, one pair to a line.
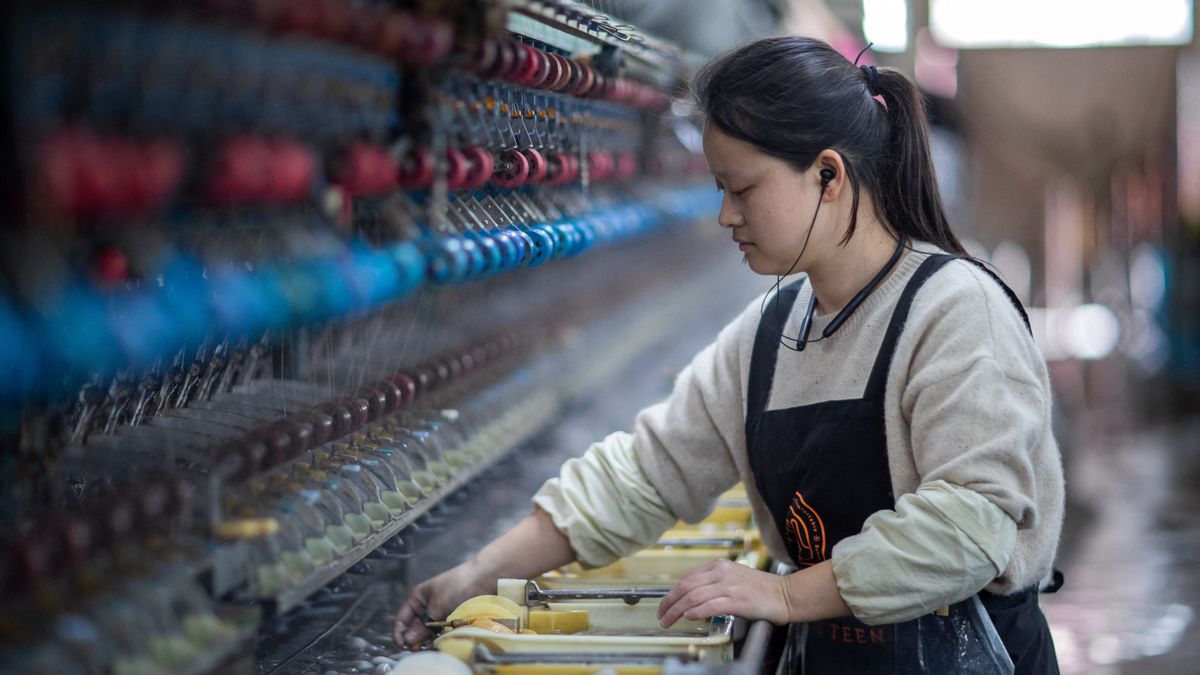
888,412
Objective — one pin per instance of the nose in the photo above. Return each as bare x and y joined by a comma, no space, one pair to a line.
728,216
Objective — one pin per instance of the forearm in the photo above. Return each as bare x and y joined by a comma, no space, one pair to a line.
939,545
532,547
812,595
604,504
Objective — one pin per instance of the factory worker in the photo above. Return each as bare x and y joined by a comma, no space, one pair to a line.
887,408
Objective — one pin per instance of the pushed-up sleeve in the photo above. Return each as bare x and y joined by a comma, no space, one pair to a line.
628,489
939,545
975,401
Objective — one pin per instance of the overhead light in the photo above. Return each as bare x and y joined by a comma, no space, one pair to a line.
1060,23
885,23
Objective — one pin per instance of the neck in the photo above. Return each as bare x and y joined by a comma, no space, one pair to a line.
851,267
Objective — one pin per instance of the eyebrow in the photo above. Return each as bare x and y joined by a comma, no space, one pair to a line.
734,174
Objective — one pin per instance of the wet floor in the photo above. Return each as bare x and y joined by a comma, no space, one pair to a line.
1130,552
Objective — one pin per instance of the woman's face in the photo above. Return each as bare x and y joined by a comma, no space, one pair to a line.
767,204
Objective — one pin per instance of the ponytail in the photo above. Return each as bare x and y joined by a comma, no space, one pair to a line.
792,97
910,199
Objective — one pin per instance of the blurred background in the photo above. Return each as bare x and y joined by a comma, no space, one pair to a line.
252,252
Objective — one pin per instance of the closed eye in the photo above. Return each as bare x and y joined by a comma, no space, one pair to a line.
735,193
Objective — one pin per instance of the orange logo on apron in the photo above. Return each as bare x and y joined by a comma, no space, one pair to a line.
806,529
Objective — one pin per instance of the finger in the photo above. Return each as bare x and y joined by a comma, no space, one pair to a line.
413,607
409,616
417,633
693,598
714,606
701,576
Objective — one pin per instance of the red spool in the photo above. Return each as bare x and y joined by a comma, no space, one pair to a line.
506,60
416,171
566,72
165,163
292,170
407,386
383,32
482,166
559,171
586,79
343,417
537,165
527,66
626,166
110,265
426,41
240,171
485,58
457,168
393,396
542,71
366,170
513,169
360,410
376,399
600,165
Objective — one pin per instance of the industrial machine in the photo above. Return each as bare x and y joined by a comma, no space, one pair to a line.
300,299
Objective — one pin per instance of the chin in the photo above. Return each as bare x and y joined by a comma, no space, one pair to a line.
759,267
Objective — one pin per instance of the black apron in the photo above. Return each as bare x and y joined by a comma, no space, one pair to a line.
822,469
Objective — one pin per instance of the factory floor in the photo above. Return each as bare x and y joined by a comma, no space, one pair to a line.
1130,549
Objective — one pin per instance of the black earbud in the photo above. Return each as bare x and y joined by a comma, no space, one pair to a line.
827,175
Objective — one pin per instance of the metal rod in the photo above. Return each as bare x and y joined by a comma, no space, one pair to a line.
484,655
535,595
709,542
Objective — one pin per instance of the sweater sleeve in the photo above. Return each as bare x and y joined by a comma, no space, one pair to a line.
629,488
939,545
976,403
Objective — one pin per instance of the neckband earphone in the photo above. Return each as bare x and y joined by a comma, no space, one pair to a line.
840,318
827,175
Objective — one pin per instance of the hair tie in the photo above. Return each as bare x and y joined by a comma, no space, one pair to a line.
872,75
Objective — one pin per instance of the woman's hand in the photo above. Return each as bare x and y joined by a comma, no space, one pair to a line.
435,598
726,587
532,547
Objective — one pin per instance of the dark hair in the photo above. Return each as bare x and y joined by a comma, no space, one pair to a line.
792,97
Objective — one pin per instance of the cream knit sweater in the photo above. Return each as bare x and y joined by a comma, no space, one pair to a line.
973,463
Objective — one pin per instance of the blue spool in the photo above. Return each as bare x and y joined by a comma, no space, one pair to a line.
562,243
571,236
510,250
492,253
377,275
477,263
523,243
557,242
587,234
338,294
184,301
142,327
300,286
599,227
410,266
542,249
20,358
447,262
75,332
271,298
236,300
506,249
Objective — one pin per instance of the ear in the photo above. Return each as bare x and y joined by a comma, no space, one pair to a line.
830,160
